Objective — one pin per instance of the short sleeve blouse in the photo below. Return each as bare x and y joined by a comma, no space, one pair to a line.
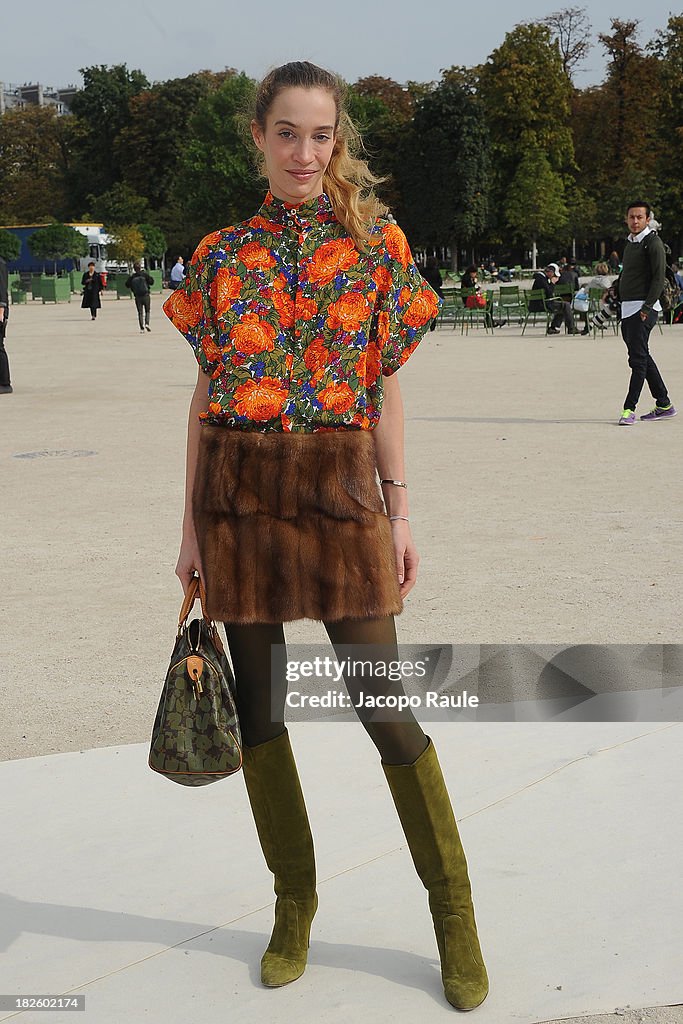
294,325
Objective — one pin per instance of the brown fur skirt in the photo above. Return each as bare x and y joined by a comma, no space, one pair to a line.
292,526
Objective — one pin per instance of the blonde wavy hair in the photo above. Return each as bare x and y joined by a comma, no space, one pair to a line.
348,181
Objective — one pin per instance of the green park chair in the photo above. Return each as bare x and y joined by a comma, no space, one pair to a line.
474,316
511,303
534,295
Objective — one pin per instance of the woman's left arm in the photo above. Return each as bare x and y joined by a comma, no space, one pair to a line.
390,465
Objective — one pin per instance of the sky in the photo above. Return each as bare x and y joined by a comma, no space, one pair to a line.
48,41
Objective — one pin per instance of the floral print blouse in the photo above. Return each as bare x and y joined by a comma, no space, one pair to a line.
294,325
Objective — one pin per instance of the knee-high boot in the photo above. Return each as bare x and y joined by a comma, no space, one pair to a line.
423,805
279,811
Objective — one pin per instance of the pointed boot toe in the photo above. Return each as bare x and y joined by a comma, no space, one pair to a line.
285,959
465,981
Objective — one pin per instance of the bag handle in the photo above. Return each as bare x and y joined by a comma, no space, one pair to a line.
190,598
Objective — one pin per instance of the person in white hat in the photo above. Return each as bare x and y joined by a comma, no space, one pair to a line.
545,281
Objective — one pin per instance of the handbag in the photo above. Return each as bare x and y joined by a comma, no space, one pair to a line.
196,735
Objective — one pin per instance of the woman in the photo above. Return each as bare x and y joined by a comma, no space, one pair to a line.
300,318
92,286
469,280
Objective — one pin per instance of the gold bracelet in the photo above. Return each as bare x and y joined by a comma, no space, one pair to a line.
396,483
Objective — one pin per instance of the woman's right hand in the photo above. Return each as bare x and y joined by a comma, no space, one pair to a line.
189,563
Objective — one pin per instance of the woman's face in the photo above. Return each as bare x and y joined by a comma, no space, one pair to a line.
297,142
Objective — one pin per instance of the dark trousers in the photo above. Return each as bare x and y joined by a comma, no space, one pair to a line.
636,334
144,304
562,311
4,361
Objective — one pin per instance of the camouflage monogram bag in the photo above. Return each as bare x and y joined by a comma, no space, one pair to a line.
196,735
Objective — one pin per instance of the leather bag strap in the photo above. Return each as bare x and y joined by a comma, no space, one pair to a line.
195,589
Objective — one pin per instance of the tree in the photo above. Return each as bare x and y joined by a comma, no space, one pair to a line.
102,108
120,205
125,244
154,241
58,242
10,246
149,147
526,95
382,109
668,50
32,165
535,206
218,183
571,30
445,166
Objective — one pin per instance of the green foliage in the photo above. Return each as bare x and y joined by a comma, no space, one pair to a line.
58,242
120,205
535,206
10,246
445,165
102,108
154,241
218,183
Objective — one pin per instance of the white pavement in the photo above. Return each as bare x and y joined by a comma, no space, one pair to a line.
538,520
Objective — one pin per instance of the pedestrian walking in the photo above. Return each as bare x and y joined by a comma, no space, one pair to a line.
640,284
92,286
140,283
299,318
5,382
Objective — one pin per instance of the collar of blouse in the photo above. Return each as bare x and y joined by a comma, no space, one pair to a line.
313,212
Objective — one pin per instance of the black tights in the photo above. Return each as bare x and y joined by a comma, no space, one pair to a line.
261,701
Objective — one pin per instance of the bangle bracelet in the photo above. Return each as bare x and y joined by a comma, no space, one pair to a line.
405,518
396,483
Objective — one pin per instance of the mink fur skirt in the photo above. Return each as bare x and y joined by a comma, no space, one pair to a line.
292,526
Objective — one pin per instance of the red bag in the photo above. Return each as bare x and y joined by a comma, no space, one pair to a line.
475,302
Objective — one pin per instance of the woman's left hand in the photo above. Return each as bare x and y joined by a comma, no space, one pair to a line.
407,558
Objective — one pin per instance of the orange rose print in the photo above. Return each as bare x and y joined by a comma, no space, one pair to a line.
225,288
424,307
372,363
260,399
252,335
383,329
306,309
331,259
348,312
397,244
256,256
337,397
316,355
184,311
382,279
216,408
202,250
211,349
284,305
404,295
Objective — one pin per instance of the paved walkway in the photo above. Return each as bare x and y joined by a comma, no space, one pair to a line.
538,521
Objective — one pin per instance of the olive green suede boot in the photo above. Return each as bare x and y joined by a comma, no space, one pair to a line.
423,805
282,824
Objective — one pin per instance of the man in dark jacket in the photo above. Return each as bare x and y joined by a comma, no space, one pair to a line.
140,283
640,284
545,281
5,385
